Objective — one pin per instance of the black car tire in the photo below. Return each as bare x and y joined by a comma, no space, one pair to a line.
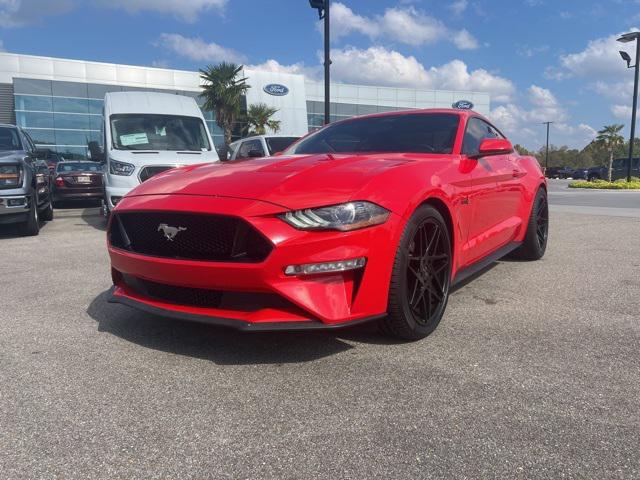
593,177
47,213
535,240
421,277
32,226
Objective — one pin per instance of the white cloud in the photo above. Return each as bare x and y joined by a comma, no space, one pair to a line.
528,51
401,24
600,58
18,13
187,10
381,66
622,112
524,125
198,50
465,41
297,68
459,6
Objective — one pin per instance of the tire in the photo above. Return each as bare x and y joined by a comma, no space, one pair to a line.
47,213
535,240
593,178
32,226
421,277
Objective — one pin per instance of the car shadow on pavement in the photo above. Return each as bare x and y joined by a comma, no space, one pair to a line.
220,345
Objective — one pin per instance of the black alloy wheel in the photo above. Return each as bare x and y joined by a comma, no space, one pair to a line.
427,269
542,222
535,241
421,277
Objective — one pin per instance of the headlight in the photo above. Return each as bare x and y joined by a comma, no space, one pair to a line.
120,168
10,176
344,217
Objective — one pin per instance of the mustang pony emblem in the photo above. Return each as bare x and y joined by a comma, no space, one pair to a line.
169,231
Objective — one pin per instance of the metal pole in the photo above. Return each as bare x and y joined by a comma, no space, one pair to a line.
546,159
327,63
633,112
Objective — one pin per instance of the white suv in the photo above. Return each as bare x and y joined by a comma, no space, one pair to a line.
260,146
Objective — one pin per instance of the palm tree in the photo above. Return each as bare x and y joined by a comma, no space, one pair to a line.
610,139
222,90
259,119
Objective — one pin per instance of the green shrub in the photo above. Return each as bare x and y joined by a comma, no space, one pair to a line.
621,184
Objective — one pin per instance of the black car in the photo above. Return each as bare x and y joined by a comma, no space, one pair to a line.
559,172
25,182
619,170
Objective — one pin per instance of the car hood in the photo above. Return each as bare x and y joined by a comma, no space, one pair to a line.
298,181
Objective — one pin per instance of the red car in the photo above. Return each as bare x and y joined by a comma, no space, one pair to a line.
370,218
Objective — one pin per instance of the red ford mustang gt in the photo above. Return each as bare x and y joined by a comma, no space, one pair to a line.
373,217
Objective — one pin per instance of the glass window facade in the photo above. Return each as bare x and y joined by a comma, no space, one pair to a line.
66,116
340,111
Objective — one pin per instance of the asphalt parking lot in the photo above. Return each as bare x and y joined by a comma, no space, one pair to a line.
533,373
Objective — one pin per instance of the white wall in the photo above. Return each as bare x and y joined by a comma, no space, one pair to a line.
292,107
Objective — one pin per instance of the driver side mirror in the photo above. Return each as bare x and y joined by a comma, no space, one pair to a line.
41,153
493,146
96,152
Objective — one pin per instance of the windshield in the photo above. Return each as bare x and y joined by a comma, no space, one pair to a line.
9,139
79,167
279,144
413,133
158,132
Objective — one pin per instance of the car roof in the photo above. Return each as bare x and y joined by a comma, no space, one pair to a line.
151,103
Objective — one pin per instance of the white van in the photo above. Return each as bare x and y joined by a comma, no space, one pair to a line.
147,133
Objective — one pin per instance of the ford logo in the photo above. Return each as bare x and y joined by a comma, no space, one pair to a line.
463,105
276,89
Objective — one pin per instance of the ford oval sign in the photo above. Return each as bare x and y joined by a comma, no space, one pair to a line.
276,89
463,105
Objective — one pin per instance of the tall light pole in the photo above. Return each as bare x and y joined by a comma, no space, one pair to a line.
626,38
323,12
546,155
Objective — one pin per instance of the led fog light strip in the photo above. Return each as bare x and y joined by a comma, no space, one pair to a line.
327,267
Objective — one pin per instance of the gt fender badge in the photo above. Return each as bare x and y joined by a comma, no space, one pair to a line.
170,232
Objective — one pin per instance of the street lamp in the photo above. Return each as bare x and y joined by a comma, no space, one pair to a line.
626,38
546,155
323,12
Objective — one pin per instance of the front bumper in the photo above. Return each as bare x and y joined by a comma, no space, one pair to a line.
313,301
61,194
14,208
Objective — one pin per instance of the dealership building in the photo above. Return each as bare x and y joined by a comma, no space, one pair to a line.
59,101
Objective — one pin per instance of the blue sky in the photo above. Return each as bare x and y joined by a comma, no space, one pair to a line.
540,59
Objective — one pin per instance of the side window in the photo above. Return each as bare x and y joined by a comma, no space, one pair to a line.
25,142
29,141
477,130
248,146
619,163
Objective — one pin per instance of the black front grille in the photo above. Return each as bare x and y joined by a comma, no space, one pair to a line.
188,236
196,297
147,172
